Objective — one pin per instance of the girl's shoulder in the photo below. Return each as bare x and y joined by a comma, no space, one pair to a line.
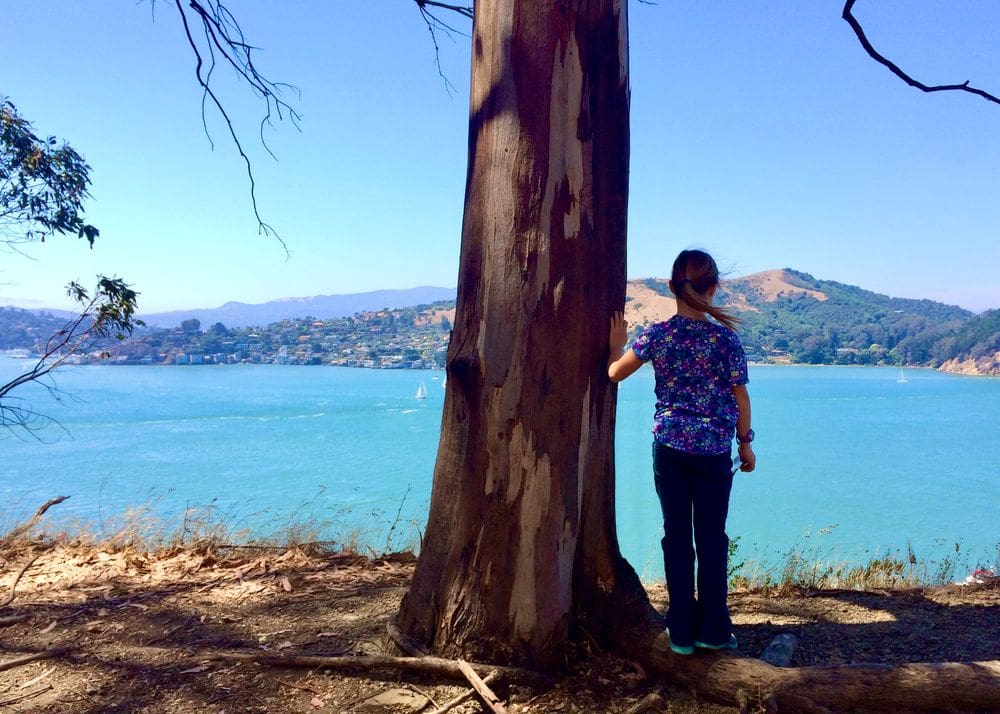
730,339
650,339
654,329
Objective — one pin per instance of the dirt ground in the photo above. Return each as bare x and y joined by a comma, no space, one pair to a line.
134,633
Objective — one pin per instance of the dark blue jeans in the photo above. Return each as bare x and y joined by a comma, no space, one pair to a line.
694,492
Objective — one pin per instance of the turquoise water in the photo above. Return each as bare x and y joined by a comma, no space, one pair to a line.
850,464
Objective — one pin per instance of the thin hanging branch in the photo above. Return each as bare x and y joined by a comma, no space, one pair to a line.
223,38
434,24
875,55
460,9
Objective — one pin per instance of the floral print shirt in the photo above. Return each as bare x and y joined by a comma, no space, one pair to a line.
697,363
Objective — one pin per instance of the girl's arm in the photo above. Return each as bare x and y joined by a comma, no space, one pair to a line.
747,458
620,365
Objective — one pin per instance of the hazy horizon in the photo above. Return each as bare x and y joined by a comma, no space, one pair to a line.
761,133
194,307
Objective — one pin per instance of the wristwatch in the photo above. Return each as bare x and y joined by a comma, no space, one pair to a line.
745,439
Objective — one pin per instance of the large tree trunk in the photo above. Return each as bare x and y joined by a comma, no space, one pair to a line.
521,528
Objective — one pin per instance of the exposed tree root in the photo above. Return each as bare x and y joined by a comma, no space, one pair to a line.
745,682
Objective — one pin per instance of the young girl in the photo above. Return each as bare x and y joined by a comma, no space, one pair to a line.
701,401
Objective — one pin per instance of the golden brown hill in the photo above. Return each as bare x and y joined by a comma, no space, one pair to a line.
646,303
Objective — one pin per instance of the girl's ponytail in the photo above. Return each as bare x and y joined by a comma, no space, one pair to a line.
693,275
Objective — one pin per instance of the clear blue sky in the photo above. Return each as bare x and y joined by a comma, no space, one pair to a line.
760,131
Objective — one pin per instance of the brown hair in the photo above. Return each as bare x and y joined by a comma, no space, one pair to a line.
694,274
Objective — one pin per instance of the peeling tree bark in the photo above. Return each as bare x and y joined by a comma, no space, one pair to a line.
522,510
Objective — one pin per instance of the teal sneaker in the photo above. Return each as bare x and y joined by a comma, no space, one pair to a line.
731,645
678,649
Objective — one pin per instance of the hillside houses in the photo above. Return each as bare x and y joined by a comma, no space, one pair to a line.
384,339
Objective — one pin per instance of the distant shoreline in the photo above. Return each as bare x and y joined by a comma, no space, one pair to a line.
963,369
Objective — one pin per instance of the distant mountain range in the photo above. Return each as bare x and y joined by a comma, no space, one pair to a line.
320,307
787,316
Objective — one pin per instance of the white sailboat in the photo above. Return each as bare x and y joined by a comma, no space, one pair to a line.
901,379
422,390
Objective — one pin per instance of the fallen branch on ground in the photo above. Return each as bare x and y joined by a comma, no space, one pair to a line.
28,659
17,578
22,697
464,696
436,666
13,620
486,696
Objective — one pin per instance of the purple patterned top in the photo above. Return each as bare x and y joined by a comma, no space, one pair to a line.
697,363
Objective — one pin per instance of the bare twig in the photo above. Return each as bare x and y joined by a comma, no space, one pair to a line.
395,521
435,23
223,37
426,695
464,696
20,530
486,696
466,10
28,659
35,680
22,697
295,685
848,15
13,620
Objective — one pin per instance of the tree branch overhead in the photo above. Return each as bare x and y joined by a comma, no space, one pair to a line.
848,15
224,36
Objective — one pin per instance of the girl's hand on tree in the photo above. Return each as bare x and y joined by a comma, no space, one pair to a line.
748,460
620,363
618,335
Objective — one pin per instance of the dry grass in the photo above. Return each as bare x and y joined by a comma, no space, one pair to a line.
310,528
809,569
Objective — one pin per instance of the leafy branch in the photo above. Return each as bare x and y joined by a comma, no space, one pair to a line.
42,184
107,314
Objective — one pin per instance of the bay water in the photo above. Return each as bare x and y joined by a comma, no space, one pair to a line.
852,464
